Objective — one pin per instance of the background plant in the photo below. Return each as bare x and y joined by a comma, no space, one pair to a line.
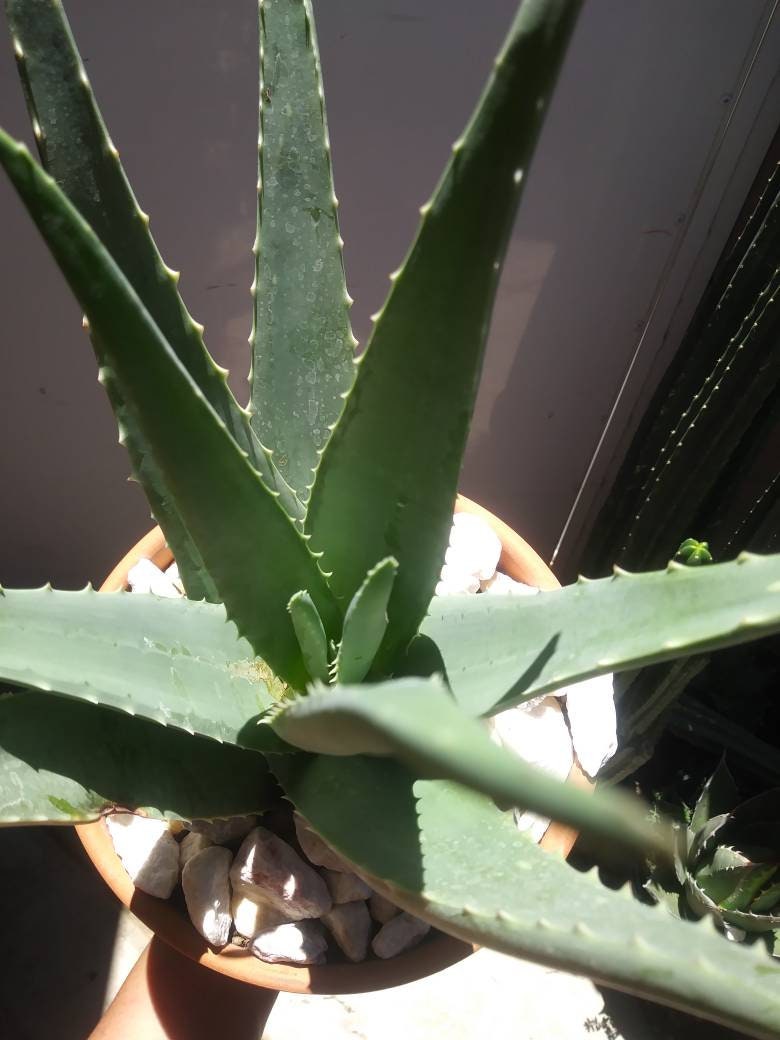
704,460
315,523
727,862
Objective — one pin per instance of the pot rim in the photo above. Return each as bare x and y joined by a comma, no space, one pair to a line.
519,561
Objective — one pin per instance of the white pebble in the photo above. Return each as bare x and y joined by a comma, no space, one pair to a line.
538,734
148,850
502,585
271,872
144,576
474,546
298,942
315,849
457,580
399,934
350,925
191,845
250,918
207,893
173,576
382,910
345,888
590,706
221,832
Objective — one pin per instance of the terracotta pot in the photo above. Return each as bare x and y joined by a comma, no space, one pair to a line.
519,561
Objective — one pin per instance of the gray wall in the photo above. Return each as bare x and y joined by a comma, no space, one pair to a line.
622,220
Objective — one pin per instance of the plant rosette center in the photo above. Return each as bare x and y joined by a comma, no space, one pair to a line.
270,883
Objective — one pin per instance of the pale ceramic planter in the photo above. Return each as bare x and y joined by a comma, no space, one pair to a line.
170,924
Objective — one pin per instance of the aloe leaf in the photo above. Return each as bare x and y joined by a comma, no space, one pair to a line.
719,795
664,895
702,905
724,858
702,840
311,635
750,882
192,570
365,623
417,721
260,560
302,343
77,150
750,922
393,460
720,885
172,661
767,900
734,888
66,762
499,651
448,855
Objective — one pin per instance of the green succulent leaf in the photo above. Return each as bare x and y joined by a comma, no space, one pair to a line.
725,858
192,570
172,661
719,795
77,151
727,888
767,901
681,853
752,923
311,635
423,844
392,463
200,462
417,721
365,623
664,895
702,905
62,761
302,343
702,841
499,651
751,881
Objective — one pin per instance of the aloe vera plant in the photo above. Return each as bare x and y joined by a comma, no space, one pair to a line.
310,530
726,863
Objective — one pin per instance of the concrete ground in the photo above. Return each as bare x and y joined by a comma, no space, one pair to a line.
69,945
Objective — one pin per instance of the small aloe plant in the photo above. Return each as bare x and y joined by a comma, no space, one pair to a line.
310,529
727,863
